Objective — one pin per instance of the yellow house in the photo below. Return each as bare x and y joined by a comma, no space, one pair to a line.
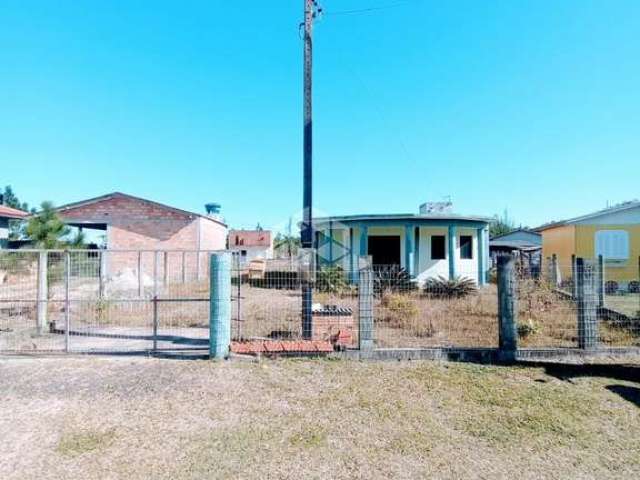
613,233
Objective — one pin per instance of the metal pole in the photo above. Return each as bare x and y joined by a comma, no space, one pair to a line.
155,301
239,295
42,293
67,303
140,283
184,269
101,270
165,269
306,233
155,323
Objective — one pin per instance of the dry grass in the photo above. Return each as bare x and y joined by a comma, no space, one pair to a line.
135,418
407,319
629,303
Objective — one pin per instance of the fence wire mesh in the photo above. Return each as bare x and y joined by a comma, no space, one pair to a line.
92,300
554,306
269,303
103,300
434,312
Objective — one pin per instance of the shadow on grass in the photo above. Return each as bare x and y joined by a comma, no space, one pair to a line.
624,372
630,394
567,371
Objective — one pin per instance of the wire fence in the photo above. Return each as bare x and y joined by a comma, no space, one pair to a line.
103,300
109,301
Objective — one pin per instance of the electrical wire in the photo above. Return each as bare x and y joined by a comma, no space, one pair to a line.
367,10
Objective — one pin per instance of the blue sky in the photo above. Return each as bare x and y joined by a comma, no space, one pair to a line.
532,106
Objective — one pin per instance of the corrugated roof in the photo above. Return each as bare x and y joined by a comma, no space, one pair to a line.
8,212
525,230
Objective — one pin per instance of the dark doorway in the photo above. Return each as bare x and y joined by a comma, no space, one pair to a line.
385,250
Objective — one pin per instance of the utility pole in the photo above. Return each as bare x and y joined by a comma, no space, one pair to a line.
310,11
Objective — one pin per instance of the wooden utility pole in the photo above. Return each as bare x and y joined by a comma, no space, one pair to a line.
306,234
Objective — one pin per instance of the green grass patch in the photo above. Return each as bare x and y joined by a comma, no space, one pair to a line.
78,443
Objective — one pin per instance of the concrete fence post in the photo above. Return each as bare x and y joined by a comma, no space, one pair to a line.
67,300
507,308
102,272
556,277
183,275
43,291
574,279
601,281
140,277
365,304
165,268
220,305
587,305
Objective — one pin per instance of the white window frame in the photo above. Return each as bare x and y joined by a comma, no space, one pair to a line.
613,245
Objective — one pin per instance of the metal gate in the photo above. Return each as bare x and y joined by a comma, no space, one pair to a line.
104,300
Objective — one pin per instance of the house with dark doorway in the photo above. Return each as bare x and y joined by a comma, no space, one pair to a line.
433,242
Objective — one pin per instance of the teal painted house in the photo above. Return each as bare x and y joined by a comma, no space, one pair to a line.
431,243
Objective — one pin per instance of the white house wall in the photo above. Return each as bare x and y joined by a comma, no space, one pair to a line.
467,267
431,268
426,267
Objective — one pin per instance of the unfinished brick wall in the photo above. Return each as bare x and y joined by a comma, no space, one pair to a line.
137,224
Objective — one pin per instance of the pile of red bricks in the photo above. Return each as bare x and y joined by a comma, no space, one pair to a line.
279,347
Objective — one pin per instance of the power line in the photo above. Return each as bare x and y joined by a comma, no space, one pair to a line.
367,10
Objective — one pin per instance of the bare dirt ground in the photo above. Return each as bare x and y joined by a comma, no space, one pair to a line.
110,418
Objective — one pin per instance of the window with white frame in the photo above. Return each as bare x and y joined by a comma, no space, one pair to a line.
613,245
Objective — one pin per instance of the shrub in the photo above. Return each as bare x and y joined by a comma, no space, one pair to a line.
527,329
392,279
402,312
634,287
611,287
331,280
457,287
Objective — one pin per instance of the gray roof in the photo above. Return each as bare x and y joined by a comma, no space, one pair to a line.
514,244
525,230
403,217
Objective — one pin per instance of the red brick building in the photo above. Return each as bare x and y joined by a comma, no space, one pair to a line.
132,223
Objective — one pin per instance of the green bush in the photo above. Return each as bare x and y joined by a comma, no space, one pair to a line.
528,328
331,280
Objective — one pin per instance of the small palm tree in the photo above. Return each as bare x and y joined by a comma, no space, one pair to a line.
287,244
46,229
